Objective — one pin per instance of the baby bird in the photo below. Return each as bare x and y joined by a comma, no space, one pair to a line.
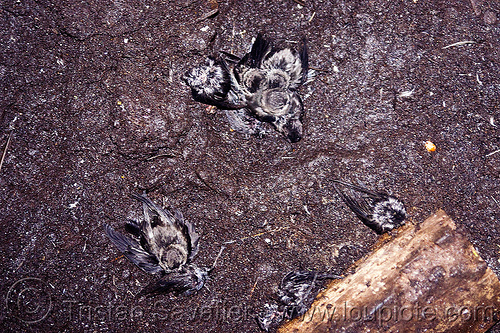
295,294
210,83
269,79
259,87
298,290
167,244
379,211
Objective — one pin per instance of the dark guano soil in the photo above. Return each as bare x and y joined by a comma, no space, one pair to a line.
95,108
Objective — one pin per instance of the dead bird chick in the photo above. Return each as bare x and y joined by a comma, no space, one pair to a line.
269,79
378,210
211,84
262,88
167,244
296,293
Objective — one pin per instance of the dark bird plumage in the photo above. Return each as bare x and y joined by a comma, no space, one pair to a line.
378,210
211,84
165,244
298,290
263,88
296,293
188,280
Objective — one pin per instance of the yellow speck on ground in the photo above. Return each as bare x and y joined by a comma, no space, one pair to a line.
430,146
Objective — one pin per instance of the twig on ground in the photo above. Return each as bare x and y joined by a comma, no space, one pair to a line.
254,285
459,43
5,151
496,151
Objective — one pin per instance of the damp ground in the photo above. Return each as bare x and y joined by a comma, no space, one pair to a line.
94,106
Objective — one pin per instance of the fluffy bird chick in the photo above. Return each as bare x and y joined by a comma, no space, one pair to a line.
213,83
268,78
166,245
378,210
210,83
295,294
259,87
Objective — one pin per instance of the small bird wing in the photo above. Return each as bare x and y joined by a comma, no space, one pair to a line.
302,276
363,205
246,72
184,282
190,233
271,316
304,59
133,251
223,104
377,196
133,227
297,291
295,277
358,206
296,286
153,213
229,57
260,49
177,284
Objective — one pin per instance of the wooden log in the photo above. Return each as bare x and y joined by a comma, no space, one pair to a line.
428,278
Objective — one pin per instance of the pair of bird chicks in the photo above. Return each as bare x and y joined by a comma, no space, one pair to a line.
259,87
165,243
378,210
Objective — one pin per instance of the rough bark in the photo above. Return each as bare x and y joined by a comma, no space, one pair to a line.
428,277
